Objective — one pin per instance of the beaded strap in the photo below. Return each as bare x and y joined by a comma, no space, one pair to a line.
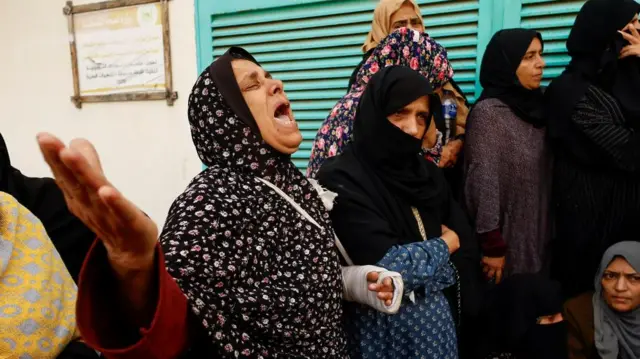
423,233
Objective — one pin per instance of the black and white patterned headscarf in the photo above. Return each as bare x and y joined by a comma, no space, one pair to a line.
262,281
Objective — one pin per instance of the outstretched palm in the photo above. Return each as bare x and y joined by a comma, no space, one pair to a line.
126,232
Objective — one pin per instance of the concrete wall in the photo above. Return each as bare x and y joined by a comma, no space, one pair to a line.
145,147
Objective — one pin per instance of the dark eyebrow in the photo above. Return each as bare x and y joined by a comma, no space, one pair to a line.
253,75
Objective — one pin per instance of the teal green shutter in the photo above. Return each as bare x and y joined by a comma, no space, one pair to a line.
553,19
314,47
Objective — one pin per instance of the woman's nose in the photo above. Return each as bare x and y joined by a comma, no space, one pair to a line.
621,284
411,127
276,87
542,63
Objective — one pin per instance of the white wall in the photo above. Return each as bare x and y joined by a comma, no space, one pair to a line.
145,147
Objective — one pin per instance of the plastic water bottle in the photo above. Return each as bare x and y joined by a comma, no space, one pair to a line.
450,112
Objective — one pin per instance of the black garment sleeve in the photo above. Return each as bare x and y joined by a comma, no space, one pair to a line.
362,230
600,119
466,259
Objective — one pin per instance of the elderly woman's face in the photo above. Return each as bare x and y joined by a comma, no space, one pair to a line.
269,106
621,286
413,118
406,16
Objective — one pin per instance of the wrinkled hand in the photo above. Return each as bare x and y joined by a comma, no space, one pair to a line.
493,267
128,235
630,33
450,153
384,289
451,239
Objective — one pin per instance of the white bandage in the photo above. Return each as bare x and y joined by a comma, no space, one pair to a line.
356,287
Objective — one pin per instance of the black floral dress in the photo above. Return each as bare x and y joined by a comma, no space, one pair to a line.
262,281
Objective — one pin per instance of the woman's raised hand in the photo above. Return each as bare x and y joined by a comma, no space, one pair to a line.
128,235
631,34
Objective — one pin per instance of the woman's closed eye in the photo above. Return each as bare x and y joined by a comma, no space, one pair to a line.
252,86
253,80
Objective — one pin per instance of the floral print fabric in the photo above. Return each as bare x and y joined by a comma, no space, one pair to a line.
403,47
423,328
262,281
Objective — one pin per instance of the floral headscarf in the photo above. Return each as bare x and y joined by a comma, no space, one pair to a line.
403,47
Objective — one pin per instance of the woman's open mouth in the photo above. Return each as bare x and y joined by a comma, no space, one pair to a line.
283,115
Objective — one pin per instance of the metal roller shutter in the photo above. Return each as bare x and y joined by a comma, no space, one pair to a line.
314,47
554,20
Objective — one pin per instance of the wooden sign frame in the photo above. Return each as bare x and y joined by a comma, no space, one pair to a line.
169,94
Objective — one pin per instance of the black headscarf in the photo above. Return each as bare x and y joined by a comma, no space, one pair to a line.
511,313
498,75
382,171
594,44
43,198
383,168
392,154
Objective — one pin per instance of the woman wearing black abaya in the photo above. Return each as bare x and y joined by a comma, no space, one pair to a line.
521,318
390,210
594,118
